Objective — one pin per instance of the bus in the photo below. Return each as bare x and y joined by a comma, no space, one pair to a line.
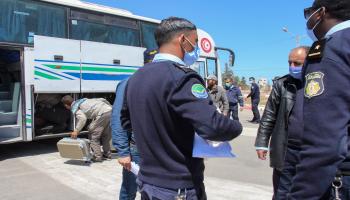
51,48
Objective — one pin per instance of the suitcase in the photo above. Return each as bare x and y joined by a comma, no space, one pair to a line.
75,149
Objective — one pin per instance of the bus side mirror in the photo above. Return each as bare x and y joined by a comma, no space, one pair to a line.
232,55
232,60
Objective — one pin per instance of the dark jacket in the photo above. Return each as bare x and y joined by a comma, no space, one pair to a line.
273,127
234,96
254,92
167,104
219,98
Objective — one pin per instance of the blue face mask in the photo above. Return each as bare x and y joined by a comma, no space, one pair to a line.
295,72
311,32
191,57
228,85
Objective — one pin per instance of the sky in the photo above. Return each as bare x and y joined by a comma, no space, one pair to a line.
252,28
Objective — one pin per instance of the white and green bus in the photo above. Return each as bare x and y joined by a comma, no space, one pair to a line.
50,48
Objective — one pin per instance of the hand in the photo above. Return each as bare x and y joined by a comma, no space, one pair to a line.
225,114
125,162
74,134
241,109
261,154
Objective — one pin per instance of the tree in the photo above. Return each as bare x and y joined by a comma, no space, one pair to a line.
228,73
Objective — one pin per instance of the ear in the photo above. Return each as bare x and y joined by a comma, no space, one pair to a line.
321,13
181,38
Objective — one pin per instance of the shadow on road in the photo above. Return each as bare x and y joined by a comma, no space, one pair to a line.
23,149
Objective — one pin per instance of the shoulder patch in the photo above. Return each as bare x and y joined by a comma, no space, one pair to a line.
199,91
314,84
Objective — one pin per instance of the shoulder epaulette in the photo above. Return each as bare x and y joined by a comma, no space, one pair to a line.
183,68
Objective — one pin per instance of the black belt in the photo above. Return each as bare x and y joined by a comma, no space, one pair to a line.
344,173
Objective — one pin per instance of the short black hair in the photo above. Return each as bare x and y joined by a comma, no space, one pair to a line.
339,9
171,26
251,78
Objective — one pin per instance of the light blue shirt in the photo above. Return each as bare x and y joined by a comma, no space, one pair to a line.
338,27
165,57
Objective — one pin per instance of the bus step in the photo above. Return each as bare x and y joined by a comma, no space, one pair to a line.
4,95
9,132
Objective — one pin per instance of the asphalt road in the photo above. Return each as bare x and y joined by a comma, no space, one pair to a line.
35,171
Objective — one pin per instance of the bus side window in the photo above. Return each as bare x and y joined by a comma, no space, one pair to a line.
21,20
104,28
148,39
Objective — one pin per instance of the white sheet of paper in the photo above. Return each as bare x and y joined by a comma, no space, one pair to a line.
135,168
209,149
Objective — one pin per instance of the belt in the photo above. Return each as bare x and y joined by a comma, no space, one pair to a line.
345,173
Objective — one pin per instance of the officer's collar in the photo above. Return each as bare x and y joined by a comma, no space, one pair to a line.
338,27
168,57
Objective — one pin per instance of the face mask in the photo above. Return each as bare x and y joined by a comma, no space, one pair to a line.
295,72
311,32
228,85
191,57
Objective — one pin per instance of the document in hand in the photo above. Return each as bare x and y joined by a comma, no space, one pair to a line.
208,149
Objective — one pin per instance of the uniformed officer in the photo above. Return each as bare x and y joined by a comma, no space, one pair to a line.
167,103
235,97
124,141
99,111
255,99
325,155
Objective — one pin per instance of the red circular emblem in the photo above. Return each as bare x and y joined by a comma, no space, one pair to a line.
206,45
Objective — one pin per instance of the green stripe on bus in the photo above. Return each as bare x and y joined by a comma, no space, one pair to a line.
28,121
87,68
47,76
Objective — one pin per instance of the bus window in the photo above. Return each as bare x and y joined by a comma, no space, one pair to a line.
107,29
211,65
22,19
199,67
148,35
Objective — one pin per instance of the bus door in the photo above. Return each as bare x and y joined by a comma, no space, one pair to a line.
212,67
11,73
200,68
104,65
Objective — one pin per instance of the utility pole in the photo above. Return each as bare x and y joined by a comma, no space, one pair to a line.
295,36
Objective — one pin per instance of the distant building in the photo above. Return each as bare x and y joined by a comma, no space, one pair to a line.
262,82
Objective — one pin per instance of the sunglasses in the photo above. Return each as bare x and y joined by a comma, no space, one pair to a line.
308,12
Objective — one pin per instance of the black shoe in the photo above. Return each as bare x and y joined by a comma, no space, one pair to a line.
107,157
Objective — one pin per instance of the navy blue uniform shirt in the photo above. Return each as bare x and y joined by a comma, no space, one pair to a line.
325,142
234,96
167,104
254,92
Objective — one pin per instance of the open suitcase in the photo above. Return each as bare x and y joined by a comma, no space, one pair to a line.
75,149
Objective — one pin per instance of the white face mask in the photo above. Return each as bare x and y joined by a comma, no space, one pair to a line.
311,32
